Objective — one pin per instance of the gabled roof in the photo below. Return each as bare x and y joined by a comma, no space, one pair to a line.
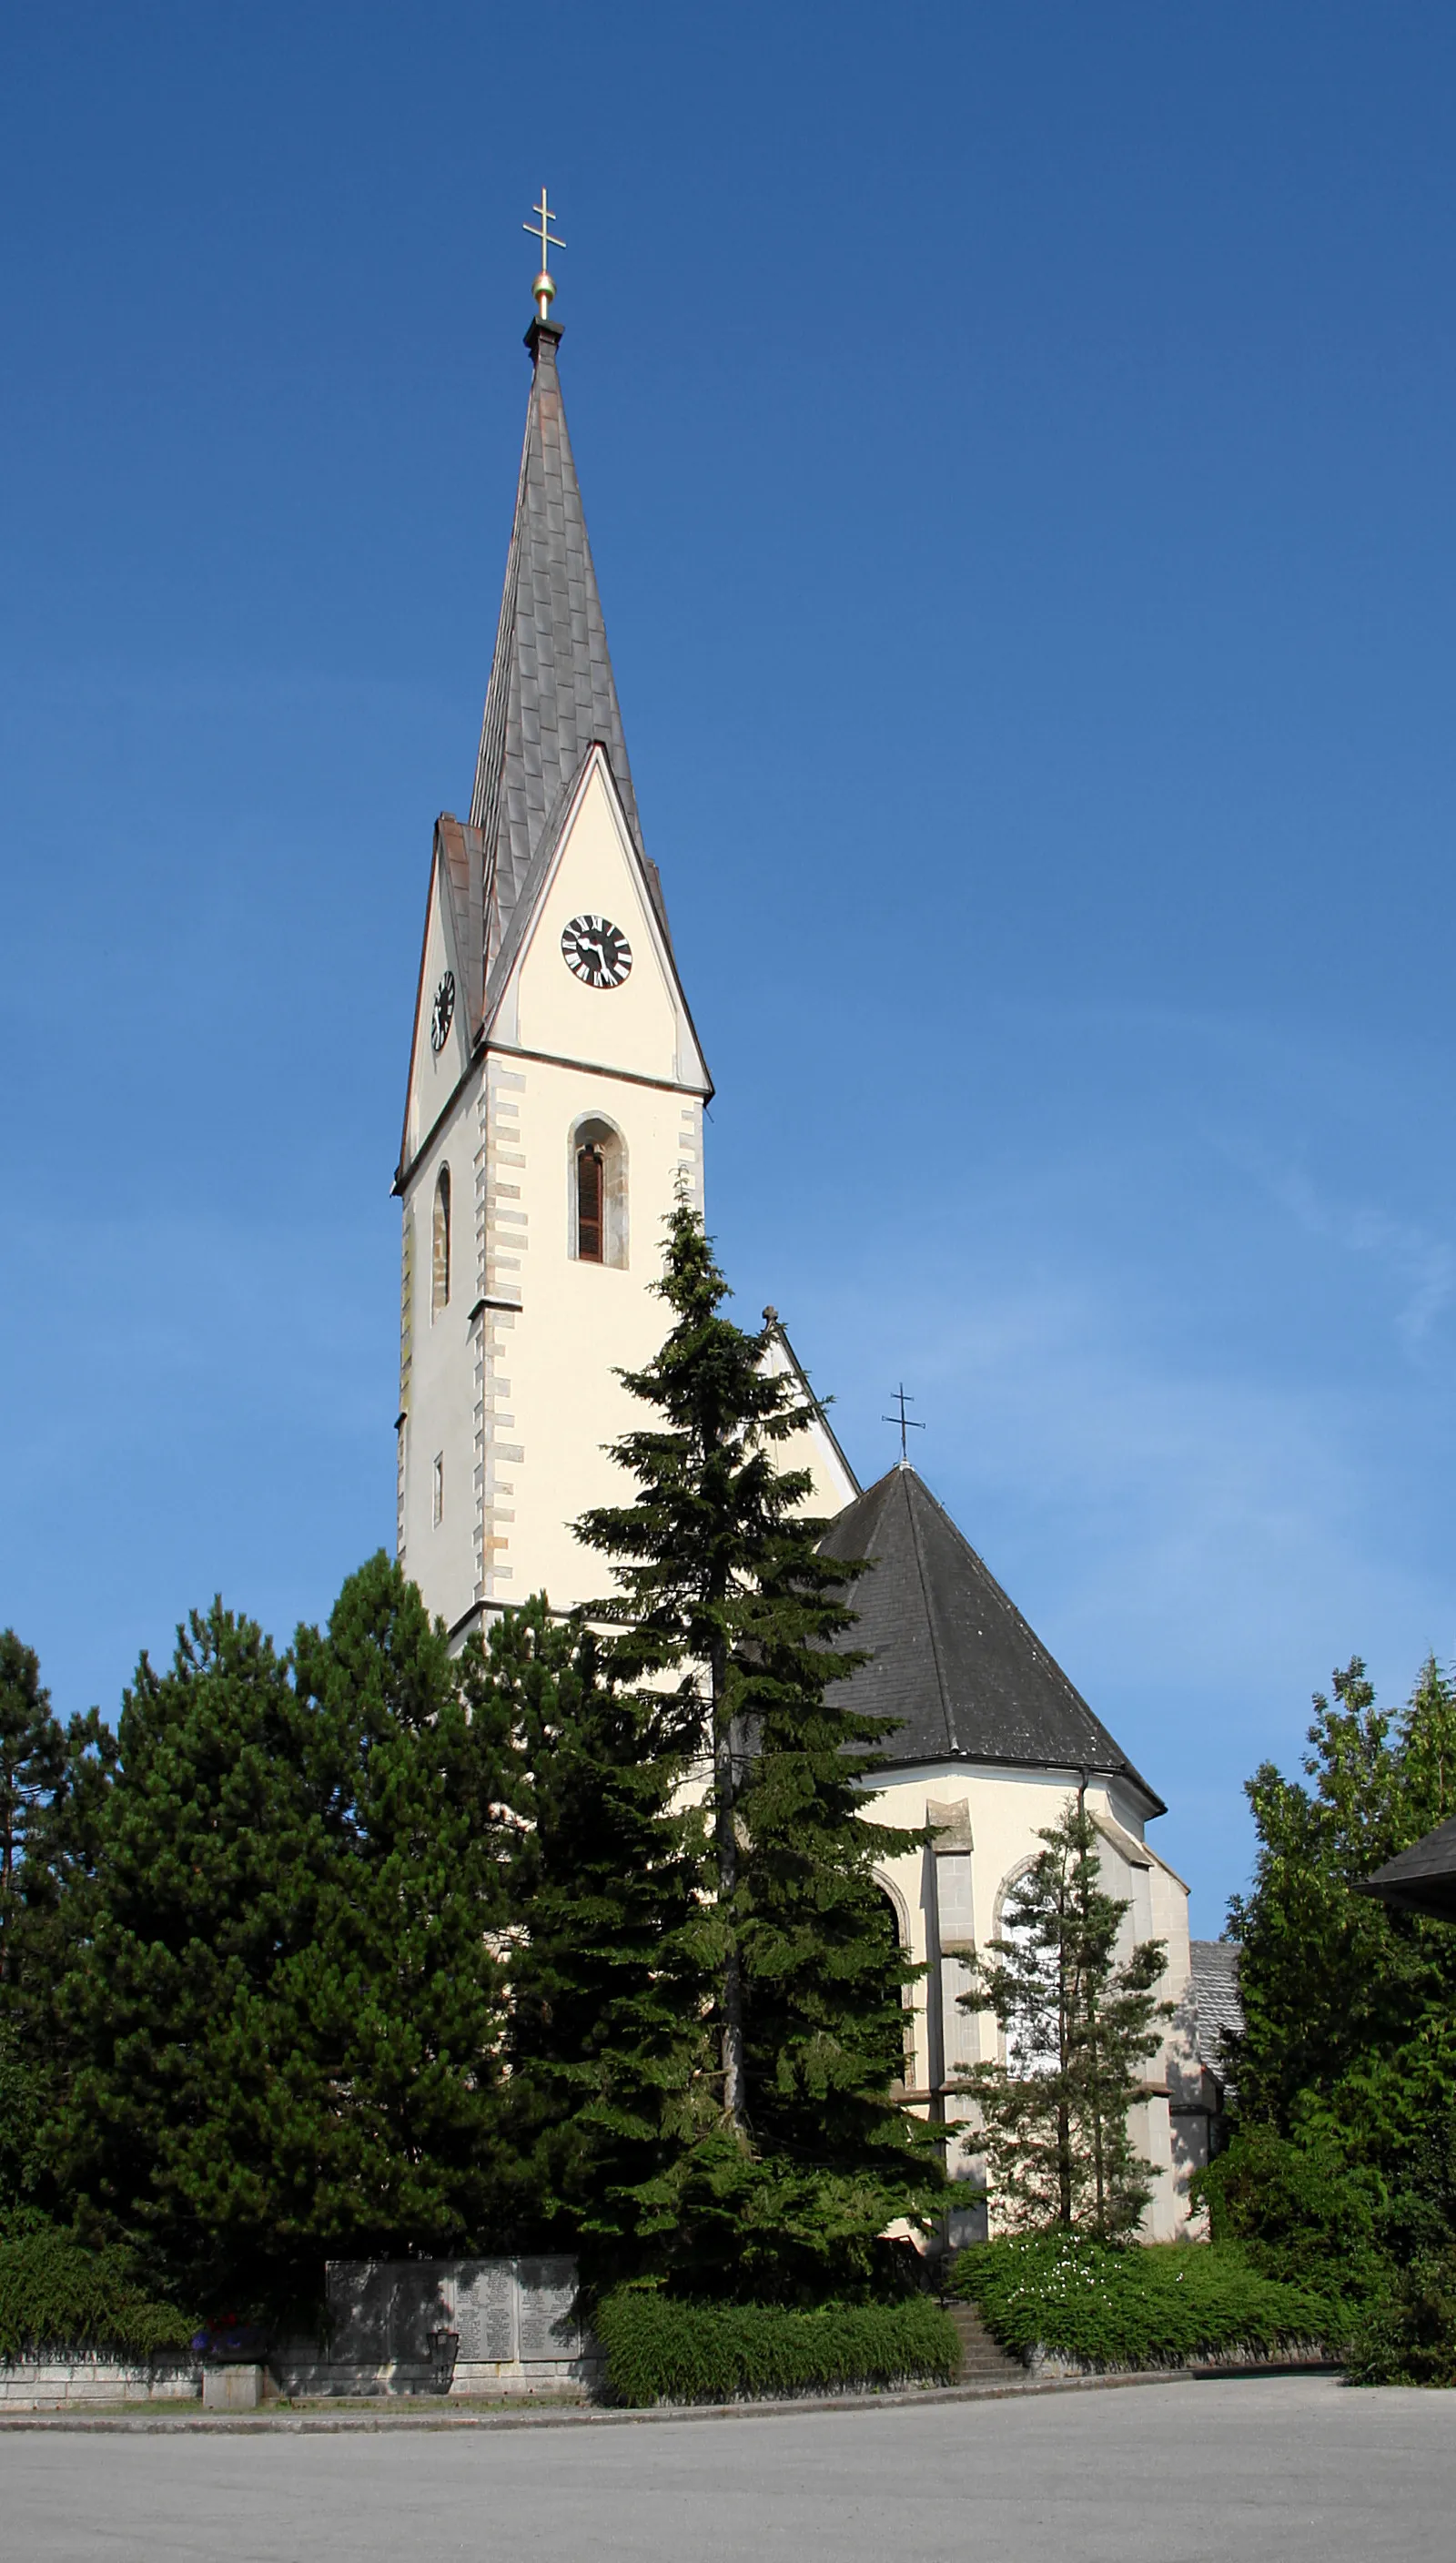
952,1661
552,692
1217,2003
1421,1879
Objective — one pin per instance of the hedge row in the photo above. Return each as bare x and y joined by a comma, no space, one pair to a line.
1138,2306
54,2295
660,2350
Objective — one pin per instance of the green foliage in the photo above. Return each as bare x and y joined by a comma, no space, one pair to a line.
660,2349
1408,2335
287,2004
54,2294
1054,2118
1333,1982
728,1619
1343,2155
1137,2307
1296,2208
52,1786
604,2037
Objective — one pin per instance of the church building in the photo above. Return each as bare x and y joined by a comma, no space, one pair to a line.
554,1113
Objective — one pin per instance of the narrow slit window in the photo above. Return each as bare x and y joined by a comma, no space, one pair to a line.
590,1204
438,1502
440,1272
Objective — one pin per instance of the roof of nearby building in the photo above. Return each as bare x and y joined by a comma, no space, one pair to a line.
952,1661
1421,1879
1217,2005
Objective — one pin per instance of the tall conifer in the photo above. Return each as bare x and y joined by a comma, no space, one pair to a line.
1078,2025
606,2036
727,1616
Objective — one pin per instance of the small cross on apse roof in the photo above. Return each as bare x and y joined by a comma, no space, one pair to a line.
907,1422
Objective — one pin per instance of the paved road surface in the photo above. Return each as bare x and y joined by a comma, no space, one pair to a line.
1269,2471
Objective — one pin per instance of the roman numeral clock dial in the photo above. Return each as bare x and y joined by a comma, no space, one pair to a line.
596,952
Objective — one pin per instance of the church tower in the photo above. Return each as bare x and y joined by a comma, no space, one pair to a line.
556,1092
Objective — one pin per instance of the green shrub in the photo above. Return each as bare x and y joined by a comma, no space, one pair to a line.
1408,2335
1139,2306
1298,2209
54,2294
661,2351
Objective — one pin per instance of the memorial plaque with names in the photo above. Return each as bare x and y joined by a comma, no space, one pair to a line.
548,2328
485,2309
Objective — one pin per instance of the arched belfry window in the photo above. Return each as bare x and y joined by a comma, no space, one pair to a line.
591,1202
597,1208
439,1258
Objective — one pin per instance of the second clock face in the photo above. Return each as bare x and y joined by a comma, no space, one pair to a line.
442,1011
597,950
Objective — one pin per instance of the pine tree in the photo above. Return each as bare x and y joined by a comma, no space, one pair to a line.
728,1618
192,2129
32,1770
52,1786
606,2036
287,2001
400,1993
1077,2025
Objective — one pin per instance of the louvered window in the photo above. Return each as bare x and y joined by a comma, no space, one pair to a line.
589,1188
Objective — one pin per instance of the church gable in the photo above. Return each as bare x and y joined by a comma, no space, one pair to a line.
587,974
443,1010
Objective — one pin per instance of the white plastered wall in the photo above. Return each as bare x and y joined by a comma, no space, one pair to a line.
995,1817
515,1386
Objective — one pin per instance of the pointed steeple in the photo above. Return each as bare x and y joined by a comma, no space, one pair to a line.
552,692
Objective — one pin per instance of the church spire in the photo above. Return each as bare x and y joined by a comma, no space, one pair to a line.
551,691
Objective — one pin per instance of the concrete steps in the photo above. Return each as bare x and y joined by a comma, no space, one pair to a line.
982,2360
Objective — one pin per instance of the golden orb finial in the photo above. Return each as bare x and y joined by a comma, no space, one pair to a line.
544,287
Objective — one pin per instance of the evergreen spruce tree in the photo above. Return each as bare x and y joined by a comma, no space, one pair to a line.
727,1619
605,2041
1077,2025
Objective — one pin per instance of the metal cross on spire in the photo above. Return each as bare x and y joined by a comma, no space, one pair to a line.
907,1422
544,288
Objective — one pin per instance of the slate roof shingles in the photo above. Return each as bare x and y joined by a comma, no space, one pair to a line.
952,1659
551,691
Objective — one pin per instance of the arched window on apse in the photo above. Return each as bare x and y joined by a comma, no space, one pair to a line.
890,1914
439,1258
598,1199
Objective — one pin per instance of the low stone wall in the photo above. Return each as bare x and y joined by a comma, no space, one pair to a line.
304,2373
1047,2365
52,2383
497,2330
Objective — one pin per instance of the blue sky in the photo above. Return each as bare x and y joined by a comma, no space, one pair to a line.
1017,447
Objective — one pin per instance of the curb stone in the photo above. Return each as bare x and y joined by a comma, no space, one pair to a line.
150,2422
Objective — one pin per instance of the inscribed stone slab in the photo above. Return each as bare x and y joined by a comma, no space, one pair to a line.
485,2309
547,2326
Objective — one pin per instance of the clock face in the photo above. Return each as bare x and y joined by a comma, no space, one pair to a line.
442,1011
597,950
